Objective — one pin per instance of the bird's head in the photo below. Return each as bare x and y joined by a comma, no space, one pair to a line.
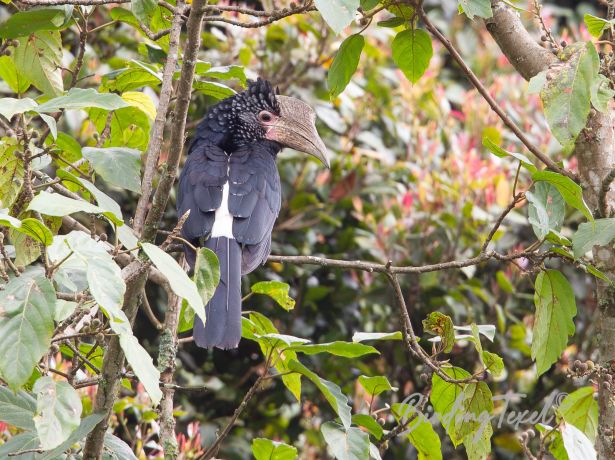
259,113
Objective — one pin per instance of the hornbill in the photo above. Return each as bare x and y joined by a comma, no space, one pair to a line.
230,184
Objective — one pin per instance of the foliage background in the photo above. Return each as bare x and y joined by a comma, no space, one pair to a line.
410,182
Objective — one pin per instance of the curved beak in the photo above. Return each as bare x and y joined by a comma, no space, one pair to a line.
296,128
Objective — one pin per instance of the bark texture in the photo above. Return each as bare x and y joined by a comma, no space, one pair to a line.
595,152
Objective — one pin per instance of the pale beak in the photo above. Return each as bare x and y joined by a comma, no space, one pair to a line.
296,128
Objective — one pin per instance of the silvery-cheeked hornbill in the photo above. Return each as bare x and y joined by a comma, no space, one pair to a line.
230,184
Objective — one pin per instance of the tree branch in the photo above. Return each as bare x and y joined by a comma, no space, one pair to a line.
490,100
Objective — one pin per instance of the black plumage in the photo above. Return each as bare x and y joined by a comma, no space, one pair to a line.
237,144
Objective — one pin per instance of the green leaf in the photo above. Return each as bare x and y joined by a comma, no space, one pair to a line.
11,173
266,449
500,152
130,127
144,10
117,448
26,325
537,82
87,424
31,227
332,393
567,93
104,201
142,365
337,13
345,349
375,385
369,4
395,21
180,283
213,89
493,363
130,79
58,411
546,210
206,273
596,25
18,443
24,23
12,76
419,431
54,204
17,409
580,409
602,93
277,290
345,64
577,445
64,308
601,232
226,73
447,399
480,8
39,58
553,323
442,325
346,443
363,336
118,166
570,190
78,98
477,407
367,421
9,107
412,51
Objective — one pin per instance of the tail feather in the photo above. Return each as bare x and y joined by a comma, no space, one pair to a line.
222,328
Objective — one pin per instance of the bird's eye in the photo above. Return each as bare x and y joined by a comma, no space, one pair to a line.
265,116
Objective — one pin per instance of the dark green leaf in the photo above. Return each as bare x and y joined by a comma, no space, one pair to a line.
345,349
412,52
369,4
493,363
447,399
277,290
130,79
118,166
206,273
367,421
332,393
392,22
24,23
144,10
226,73
553,323
26,325
213,89
345,64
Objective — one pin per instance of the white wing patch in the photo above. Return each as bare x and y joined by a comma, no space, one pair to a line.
223,220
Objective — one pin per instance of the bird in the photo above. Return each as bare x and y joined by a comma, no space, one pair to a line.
231,186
